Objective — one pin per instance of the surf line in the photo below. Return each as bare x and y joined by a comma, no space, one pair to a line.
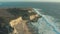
47,21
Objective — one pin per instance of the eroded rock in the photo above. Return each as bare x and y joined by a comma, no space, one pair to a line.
18,18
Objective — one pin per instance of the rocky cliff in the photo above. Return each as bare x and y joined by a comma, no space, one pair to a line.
11,18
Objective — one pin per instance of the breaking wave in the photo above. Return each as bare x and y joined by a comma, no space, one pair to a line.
48,21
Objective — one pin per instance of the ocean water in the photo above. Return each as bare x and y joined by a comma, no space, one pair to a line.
47,24
50,21
49,8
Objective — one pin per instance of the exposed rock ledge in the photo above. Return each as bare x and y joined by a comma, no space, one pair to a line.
16,19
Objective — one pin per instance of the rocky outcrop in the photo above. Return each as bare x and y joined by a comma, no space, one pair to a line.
16,19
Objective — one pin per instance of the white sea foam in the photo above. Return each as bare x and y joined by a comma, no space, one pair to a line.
48,20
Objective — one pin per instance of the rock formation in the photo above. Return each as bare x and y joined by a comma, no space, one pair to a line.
16,19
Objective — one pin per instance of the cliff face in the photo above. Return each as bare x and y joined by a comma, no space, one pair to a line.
17,19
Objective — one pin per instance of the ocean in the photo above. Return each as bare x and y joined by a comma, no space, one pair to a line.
52,9
48,8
